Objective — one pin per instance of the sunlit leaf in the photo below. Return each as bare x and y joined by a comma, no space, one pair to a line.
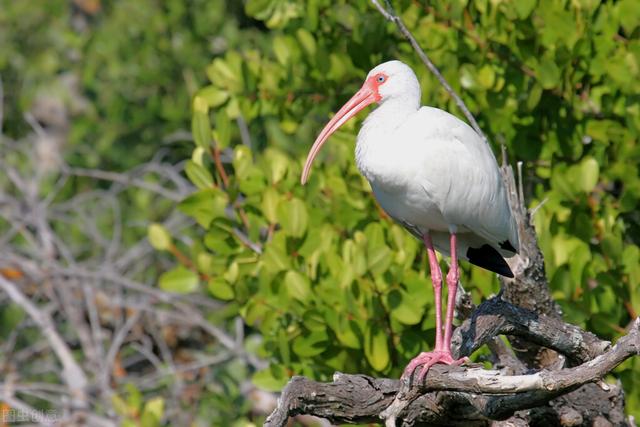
179,280
159,237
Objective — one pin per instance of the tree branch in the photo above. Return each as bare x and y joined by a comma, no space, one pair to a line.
498,317
449,394
72,374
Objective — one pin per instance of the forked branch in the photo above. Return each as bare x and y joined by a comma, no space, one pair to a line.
449,394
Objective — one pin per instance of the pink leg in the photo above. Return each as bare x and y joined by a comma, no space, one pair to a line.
442,351
436,280
452,287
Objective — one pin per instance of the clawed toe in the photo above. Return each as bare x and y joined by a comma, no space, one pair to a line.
428,359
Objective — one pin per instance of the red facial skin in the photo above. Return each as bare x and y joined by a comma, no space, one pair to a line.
374,84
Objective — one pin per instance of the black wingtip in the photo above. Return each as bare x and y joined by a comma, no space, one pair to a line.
490,259
507,246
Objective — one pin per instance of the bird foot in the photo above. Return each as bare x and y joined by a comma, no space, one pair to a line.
428,359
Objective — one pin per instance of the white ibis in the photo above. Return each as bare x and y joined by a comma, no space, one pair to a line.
432,173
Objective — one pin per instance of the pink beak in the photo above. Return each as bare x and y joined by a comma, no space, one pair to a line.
368,94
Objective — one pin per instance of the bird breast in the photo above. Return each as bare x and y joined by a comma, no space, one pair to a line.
394,165
431,170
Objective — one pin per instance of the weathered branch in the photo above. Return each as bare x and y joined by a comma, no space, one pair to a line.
498,317
450,395
72,374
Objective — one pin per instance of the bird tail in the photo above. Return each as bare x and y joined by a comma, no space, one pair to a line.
489,258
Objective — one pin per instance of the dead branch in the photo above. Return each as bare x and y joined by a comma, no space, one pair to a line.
497,317
449,395
71,372
91,294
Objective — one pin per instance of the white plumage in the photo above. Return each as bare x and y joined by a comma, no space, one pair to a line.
432,173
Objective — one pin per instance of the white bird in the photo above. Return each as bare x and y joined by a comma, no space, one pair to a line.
432,173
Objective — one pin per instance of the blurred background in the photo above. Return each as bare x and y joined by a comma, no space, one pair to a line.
161,265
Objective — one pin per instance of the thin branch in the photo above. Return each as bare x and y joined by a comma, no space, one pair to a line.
1,105
245,135
118,340
215,153
390,14
125,179
72,374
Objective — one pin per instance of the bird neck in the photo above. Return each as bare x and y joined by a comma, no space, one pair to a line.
375,139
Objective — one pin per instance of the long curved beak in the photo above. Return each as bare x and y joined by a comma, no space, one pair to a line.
365,96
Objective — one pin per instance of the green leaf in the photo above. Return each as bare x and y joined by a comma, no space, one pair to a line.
524,7
534,96
11,315
220,238
293,217
197,155
242,161
221,73
119,406
311,344
269,205
220,289
376,348
275,258
281,50
152,412
307,41
222,132
179,280
273,378
589,171
548,74
201,128
486,76
213,96
259,9
277,163
205,205
159,237
298,286
404,308
348,333
197,174
253,182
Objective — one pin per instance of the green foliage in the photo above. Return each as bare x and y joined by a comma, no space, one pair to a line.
135,412
124,70
338,287
326,280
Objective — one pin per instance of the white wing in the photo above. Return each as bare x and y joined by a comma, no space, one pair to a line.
459,173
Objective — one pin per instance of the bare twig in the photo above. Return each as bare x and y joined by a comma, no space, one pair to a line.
125,179
116,343
245,135
71,372
215,153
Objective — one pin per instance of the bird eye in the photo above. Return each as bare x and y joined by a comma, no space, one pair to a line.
381,79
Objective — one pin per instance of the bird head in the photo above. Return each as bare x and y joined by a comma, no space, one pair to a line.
392,80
